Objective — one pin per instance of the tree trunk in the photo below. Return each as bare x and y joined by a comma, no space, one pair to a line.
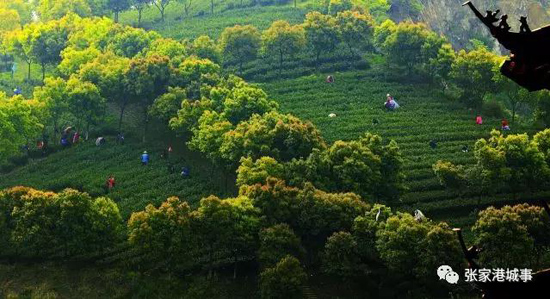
29,70
210,262
145,127
43,72
212,6
317,60
88,128
116,16
235,267
513,112
352,54
280,62
241,67
294,3
55,129
122,108
162,14
139,16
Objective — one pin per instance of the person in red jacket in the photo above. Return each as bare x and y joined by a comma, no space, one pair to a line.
110,183
505,126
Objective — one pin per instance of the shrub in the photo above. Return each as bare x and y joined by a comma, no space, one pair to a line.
42,223
450,175
284,280
276,242
341,256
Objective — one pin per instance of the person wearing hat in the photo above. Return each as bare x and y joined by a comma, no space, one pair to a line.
144,158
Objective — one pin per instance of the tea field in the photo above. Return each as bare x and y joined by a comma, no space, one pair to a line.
357,99
178,26
86,167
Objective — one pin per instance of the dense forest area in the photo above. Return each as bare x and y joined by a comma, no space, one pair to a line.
243,149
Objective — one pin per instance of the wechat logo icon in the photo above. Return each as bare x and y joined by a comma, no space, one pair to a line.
446,272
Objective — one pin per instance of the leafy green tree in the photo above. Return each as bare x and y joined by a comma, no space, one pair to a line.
93,32
197,76
56,9
163,233
364,166
504,238
240,43
542,107
9,199
356,29
282,39
189,115
82,219
161,6
256,172
536,220
18,123
53,95
321,33
187,4
208,136
23,12
515,94
312,213
173,49
284,280
276,242
73,59
19,43
337,6
9,19
406,45
167,105
341,257
416,248
512,162
382,32
450,175
98,7
85,103
473,72
71,221
205,47
47,42
542,142
365,229
440,65
131,42
225,228
146,79
116,6
109,73
34,221
244,101
140,5
272,134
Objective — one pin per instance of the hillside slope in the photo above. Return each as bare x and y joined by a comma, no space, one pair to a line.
85,167
357,99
